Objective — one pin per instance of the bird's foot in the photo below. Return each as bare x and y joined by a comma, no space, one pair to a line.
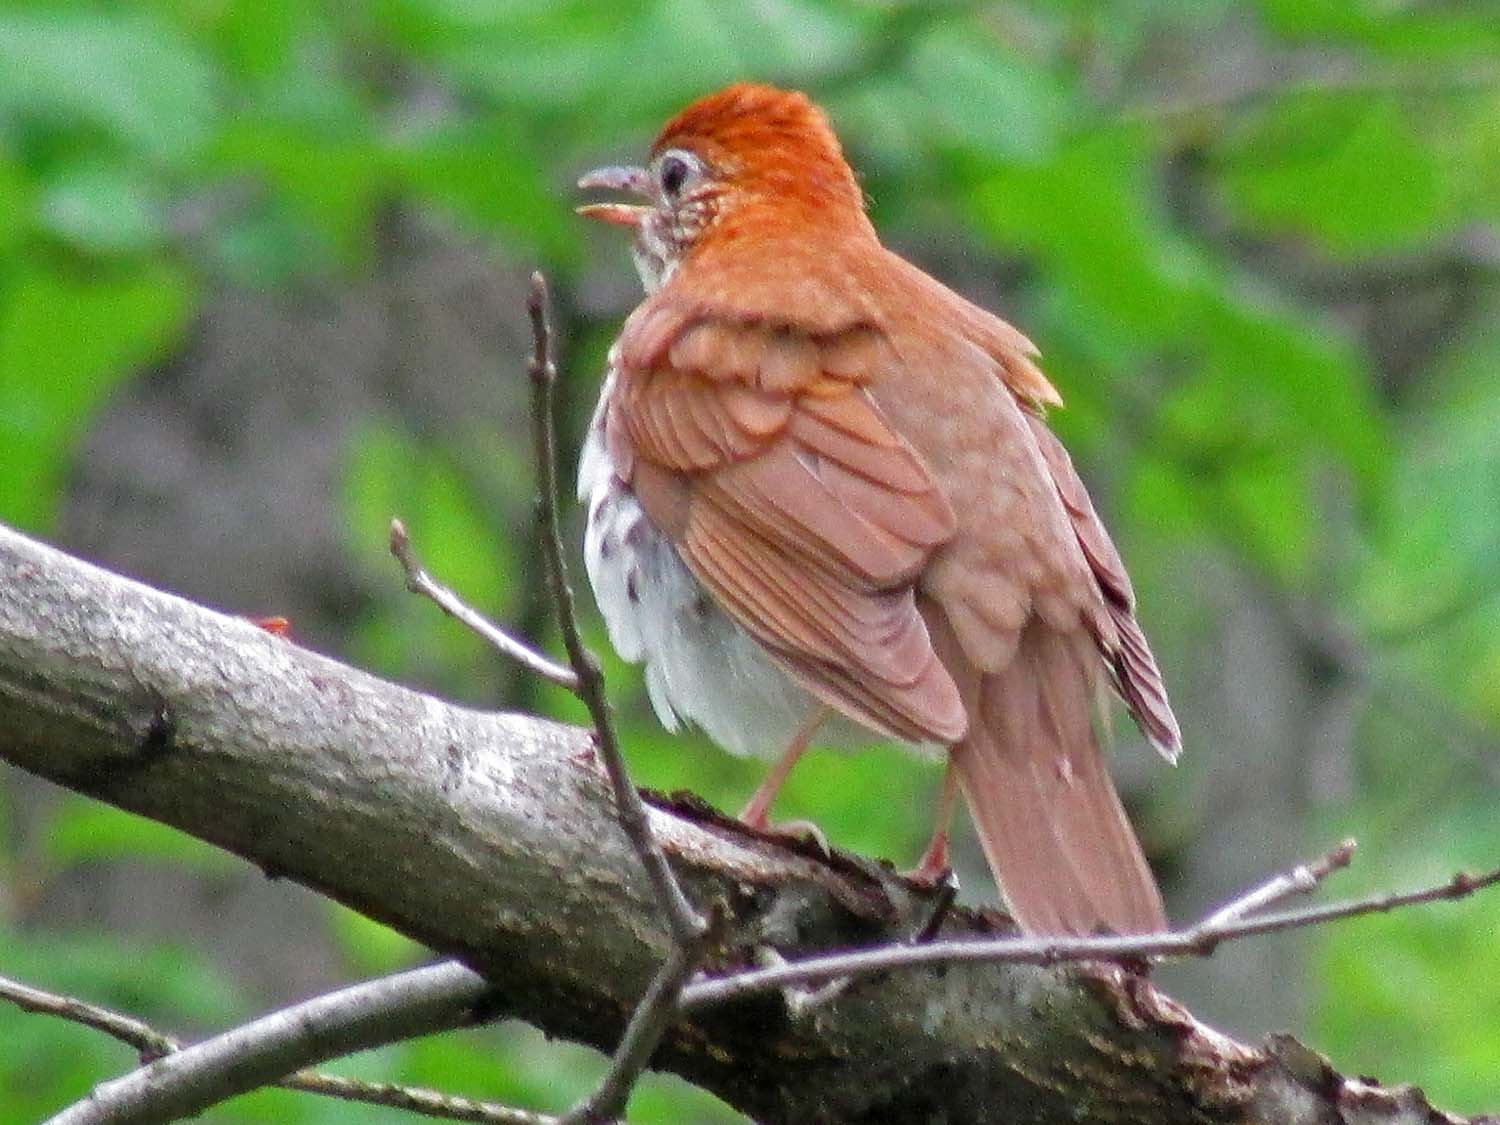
934,868
799,831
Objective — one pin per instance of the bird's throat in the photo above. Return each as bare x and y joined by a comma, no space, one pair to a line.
655,257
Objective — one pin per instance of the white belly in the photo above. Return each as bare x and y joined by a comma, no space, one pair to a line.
701,667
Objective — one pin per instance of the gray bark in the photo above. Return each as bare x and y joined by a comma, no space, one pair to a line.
491,838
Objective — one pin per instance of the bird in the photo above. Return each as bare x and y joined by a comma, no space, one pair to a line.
823,503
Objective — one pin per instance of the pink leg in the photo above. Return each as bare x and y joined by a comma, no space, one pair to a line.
756,813
934,863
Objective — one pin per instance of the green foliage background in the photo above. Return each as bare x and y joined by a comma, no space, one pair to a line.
152,153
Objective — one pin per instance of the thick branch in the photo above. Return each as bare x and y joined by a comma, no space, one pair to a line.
492,838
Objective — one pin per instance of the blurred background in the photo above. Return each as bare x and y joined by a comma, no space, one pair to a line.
261,277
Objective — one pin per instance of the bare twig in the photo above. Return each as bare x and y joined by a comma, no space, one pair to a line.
189,1079
686,924
941,905
417,1099
801,1002
656,1009
418,581
688,928
1300,880
149,1043
1199,941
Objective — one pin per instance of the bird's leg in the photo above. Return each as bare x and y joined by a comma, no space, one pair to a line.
934,865
756,813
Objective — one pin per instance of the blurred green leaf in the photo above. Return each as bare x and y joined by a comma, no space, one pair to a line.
712,44
1163,496
588,57
486,175
1351,171
254,41
66,339
16,192
1433,574
1409,992
102,207
541,57
979,94
123,72
1301,378
370,948
391,475
1420,32
1091,214
48,1062
83,829
332,182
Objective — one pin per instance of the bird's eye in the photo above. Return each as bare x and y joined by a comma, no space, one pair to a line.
673,173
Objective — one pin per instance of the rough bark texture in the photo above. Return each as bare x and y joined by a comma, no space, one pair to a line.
491,838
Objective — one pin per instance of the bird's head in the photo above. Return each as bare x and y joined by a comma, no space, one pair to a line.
739,163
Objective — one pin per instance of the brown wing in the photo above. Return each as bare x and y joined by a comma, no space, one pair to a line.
1132,667
758,450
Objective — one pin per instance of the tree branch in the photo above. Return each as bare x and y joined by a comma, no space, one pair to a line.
188,1081
1201,940
488,838
687,926
465,989
149,1043
690,932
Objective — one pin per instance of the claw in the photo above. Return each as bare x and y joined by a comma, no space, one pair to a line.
800,831
934,868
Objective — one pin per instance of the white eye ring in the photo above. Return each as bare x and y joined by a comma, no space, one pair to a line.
675,168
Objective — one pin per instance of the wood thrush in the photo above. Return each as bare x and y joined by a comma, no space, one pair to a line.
820,486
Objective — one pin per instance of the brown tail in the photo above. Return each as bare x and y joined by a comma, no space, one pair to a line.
1040,793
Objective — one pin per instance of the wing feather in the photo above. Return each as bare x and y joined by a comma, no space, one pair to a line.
794,502
1133,668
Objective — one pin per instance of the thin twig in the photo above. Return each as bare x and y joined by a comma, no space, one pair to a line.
656,1009
187,1079
801,1002
418,581
690,930
1300,880
149,1043
685,922
152,1044
1199,941
417,1099
941,905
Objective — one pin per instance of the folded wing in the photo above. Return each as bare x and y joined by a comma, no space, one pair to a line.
757,448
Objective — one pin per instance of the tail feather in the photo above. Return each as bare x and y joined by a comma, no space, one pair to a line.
1040,793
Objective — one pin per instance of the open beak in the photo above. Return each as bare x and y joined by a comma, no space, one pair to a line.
622,179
